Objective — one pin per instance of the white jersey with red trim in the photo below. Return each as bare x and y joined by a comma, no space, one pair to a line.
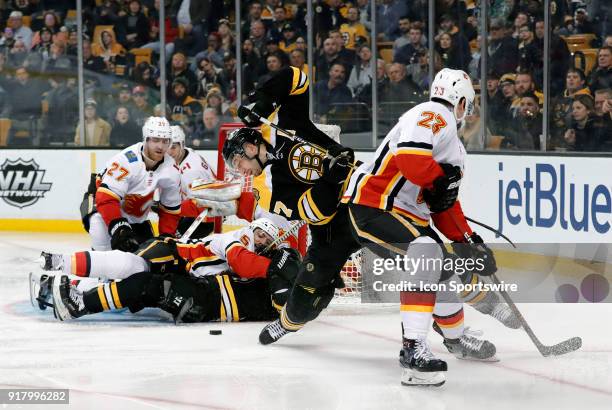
212,258
127,179
429,130
193,166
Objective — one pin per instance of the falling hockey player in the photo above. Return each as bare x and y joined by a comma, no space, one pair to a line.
414,177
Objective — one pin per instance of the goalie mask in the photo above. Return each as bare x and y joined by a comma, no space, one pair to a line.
269,228
233,147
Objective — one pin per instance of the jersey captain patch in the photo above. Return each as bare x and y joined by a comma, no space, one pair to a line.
306,162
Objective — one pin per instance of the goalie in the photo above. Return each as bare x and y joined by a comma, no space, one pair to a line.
219,279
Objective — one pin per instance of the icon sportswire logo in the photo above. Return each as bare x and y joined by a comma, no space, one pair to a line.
21,182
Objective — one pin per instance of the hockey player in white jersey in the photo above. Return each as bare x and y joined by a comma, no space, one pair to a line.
414,177
125,190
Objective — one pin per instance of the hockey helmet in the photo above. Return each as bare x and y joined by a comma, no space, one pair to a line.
178,135
156,127
234,144
451,86
265,225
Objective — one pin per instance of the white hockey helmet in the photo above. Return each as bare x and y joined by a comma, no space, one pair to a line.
156,127
451,86
178,135
265,225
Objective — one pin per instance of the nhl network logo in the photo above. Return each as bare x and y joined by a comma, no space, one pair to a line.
21,182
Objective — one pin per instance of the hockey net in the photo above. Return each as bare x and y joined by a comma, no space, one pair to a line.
351,271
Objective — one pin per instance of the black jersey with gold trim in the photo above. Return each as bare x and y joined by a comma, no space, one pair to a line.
292,185
283,99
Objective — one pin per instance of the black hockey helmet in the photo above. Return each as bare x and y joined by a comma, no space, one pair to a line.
234,144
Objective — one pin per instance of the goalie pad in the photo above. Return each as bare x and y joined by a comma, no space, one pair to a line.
217,191
218,208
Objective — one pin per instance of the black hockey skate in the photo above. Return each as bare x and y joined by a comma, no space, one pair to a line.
469,346
45,293
67,300
421,367
51,261
272,332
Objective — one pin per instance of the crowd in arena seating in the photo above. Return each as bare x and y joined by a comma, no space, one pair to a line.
121,51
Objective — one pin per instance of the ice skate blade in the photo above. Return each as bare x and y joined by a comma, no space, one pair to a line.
34,284
491,359
425,379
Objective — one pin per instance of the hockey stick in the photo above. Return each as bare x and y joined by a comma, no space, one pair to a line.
495,231
558,349
194,225
284,236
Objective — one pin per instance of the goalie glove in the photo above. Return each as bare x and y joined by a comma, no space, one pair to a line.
213,190
218,208
445,189
123,237
478,251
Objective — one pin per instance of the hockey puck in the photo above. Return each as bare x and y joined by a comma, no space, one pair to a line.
215,332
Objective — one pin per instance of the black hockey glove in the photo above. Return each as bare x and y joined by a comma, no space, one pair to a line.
445,189
478,251
244,112
285,263
338,167
123,237
337,150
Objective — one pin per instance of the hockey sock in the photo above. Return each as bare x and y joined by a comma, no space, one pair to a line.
474,296
79,264
449,318
116,295
416,309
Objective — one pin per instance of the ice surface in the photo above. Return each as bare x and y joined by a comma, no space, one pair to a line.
340,361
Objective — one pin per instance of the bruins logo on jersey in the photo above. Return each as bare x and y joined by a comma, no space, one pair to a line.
306,162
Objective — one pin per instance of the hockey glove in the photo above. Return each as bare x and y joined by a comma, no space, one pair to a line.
337,150
445,189
285,263
123,237
244,112
478,251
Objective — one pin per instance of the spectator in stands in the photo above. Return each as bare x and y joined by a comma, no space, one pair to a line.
133,26
251,66
404,28
575,84
608,41
57,58
5,104
328,16
228,42
288,40
509,104
601,76
495,103
183,107
503,51
400,88
143,74
525,133
361,74
300,44
140,108
298,59
18,54
213,52
267,14
407,53
20,32
346,56
63,114
387,18
353,32
91,62
215,100
418,69
521,20
559,57
228,76
601,96
179,68
530,54
365,96
193,18
582,22
97,131
26,95
258,36
206,133
72,43
449,53
365,16
106,46
208,76
254,14
587,132
278,22
473,68
327,58
7,41
524,84
331,91
43,45
471,136
459,54
274,62
171,32
125,132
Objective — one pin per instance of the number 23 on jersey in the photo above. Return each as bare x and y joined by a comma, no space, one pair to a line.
431,120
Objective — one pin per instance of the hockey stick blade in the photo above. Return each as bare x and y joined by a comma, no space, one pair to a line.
567,346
